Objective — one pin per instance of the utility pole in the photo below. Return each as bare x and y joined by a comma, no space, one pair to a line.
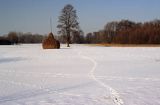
51,24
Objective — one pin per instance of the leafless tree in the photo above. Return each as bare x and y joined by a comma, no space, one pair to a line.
68,22
13,37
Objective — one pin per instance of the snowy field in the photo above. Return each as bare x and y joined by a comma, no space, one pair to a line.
79,75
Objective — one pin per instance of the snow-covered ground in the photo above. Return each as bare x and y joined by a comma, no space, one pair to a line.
79,75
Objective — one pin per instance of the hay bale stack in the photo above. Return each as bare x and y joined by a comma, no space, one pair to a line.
58,44
50,42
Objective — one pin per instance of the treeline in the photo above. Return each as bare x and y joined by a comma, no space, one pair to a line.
24,38
19,37
116,32
127,32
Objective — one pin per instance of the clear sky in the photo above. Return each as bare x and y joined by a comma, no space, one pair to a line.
34,15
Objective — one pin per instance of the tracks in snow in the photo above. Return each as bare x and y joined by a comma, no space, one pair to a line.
114,94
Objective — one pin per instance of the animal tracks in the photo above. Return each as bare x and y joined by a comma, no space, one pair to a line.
113,93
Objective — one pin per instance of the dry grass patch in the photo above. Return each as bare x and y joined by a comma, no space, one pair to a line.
126,45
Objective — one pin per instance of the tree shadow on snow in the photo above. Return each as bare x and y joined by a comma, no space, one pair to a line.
11,59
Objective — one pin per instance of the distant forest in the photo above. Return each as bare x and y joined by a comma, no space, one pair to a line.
127,32
19,37
115,32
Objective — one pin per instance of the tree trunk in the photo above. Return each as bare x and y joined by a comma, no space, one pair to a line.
68,39
68,44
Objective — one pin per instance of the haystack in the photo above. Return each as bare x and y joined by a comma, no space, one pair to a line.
50,42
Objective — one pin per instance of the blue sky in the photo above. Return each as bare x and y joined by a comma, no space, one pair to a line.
34,15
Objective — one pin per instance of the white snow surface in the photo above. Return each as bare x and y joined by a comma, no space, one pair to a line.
79,75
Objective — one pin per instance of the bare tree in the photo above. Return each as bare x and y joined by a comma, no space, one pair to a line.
68,22
13,37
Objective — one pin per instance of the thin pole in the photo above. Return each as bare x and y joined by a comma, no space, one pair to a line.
51,23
